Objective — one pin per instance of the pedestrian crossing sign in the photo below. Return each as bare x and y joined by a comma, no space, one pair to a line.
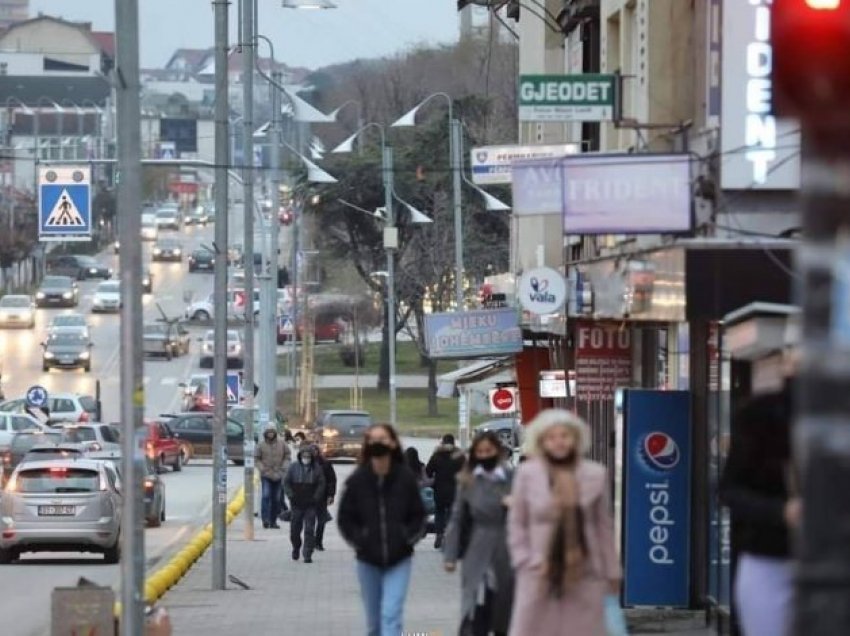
233,385
286,326
64,194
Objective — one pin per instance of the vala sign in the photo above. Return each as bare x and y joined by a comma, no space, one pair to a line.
542,291
584,97
64,203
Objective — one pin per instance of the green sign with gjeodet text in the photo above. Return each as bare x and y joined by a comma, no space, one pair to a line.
584,97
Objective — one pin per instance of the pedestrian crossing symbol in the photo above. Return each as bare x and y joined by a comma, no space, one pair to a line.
233,385
65,203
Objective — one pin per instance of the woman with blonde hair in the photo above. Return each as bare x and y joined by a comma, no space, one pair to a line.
560,533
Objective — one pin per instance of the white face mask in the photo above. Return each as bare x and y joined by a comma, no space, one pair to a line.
305,460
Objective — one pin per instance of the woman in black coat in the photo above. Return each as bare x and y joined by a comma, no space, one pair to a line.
381,516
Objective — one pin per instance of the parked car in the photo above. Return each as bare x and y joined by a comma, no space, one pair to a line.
149,228
96,440
154,496
196,216
205,309
167,249
324,330
69,321
340,433
17,310
61,407
165,339
62,505
107,297
235,350
57,291
167,219
162,447
509,430
66,348
194,432
77,266
201,259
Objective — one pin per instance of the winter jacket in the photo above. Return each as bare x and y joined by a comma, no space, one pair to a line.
272,459
382,517
304,485
754,483
330,479
443,468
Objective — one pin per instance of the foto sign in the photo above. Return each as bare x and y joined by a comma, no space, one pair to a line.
491,165
469,334
64,202
542,291
584,97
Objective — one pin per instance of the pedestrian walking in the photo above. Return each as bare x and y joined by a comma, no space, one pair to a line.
382,517
323,516
477,535
560,533
411,458
443,468
272,458
757,487
290,444
305,487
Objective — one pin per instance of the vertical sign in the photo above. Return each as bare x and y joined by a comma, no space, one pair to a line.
656,512
603,359
64,201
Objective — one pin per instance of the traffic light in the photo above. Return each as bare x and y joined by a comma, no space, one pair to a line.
811,57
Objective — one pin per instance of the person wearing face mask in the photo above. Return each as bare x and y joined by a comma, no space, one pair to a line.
272,459
560,533
381,515
305,488
477,534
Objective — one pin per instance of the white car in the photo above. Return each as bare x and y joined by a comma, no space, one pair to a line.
11,423
167,219
107,297
69,321
149,227
204,309
62,407
235,350
17,311
97,440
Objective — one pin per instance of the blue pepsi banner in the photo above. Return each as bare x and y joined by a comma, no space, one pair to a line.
656,498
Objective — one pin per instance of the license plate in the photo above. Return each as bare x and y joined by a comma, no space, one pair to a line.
56,511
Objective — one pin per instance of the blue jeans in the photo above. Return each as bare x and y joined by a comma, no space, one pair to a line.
383,591
270,503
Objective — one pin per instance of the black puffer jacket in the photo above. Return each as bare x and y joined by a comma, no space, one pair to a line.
382,517
443,467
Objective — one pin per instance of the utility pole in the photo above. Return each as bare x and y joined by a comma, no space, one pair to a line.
222,160
248,53
297,209
456,163
127,88
390,245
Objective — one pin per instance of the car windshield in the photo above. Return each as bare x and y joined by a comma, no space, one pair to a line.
148,219
78,435
87,261
64,339
56,281
349,421
69,320
58,479
25,441
232,336
155,330
48,452
166,214
15,301
168,244
109,288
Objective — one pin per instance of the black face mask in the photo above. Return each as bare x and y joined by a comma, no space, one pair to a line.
377,449
488,463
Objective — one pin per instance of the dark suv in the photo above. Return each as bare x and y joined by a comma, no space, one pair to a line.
76,266
57,291
340,433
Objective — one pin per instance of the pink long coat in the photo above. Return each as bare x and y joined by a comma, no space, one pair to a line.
530,524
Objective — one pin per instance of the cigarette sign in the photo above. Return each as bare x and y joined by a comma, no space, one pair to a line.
585,97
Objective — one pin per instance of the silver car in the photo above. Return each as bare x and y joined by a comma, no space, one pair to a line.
61,505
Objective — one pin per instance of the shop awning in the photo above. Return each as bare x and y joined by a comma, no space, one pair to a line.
491,371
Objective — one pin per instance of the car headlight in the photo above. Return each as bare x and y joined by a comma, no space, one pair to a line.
157,251
146,282
237,348
48,355
67,295
177,252
93,270
39,295
85,355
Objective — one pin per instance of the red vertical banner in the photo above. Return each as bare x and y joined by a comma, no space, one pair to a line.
603,359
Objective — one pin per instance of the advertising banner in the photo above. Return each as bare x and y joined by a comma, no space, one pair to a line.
603,359
542,290
656,498
581,97
626,194
491,165
471,334
537,187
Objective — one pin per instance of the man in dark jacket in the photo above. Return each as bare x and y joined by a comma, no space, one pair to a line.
443,468
305,488
322,514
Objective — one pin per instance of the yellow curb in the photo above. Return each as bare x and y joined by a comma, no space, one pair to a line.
160,581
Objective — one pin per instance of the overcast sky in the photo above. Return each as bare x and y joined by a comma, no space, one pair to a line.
358,28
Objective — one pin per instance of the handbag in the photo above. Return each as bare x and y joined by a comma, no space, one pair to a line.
615,620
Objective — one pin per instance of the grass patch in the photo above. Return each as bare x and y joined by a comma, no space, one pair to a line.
411,407
328,361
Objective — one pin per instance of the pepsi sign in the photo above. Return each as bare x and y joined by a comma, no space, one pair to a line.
656,498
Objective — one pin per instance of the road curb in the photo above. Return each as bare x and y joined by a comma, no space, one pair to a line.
158,582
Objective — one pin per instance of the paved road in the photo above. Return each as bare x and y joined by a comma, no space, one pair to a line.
25,587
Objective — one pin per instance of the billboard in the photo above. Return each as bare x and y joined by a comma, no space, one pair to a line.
182,131
655,499
626,194
758,151
536,187
581,97
491,165
471,334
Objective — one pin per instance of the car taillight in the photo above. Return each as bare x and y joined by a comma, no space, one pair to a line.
104,484
58,470
148,485
84,416
149,449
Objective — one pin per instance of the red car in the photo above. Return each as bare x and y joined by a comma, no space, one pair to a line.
326,331
163,448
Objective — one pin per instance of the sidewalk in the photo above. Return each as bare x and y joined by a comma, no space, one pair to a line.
323,598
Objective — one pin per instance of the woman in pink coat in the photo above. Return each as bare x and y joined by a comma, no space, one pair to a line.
560,533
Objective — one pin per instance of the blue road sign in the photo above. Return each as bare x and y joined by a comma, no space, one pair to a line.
234,388
64,194
37,396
